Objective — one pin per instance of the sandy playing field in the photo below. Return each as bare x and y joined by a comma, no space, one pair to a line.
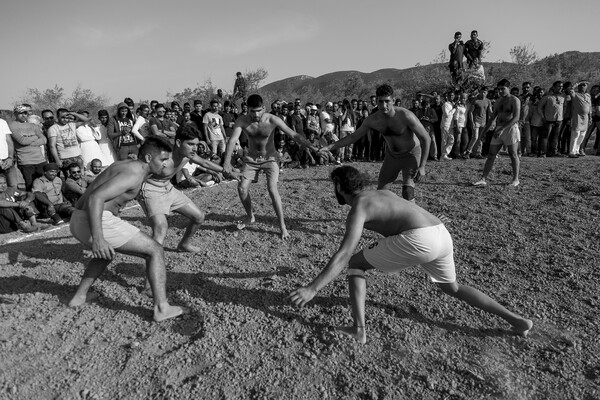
535,249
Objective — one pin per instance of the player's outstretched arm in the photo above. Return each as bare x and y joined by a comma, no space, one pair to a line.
354,228
235,136
360,132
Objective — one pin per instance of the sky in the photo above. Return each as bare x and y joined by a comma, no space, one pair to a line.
144,49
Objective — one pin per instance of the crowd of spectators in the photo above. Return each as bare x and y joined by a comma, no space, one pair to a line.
47,160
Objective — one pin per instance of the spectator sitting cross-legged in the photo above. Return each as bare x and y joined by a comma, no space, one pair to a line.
48,195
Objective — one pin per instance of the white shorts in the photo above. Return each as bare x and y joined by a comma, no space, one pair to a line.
430,247
116,231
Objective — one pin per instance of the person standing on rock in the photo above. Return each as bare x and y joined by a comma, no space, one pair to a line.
407,142
96,224
261,155
412,236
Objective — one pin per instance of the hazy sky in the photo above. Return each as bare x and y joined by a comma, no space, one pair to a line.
142,49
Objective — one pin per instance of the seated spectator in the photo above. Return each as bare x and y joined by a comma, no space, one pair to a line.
75,184
283,157
327,139
48,194
193,175
95,168
14,208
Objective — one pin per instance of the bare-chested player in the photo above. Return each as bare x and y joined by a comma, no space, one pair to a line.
261,155
412,236
507,110
407,142
95,223
158,197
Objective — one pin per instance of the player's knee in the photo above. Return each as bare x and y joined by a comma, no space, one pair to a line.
408,192
450,289
198,217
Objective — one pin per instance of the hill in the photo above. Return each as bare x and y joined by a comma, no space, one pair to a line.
568,66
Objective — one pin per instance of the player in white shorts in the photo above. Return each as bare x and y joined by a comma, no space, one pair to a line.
412,236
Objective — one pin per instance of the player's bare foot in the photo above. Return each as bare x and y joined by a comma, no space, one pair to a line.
188,248
147,291
523,327
167,311
514,183
285,235
358,333
248,220
79,300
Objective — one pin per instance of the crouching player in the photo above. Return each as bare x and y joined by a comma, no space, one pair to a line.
412,236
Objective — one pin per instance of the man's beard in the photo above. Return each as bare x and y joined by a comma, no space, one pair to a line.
341,200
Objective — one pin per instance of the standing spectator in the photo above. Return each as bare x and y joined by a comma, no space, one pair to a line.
347,128
297,121
457,49
28,141
524,122
312,121
536,124
581,106
105,144
428,118
62,137
595,125
120,130
7,151
460,130
362,148
163,126
214,130
437,127
552,107
48,195
449,108
478,115
197,114
141,127
474,49
228,119
88,137
239,87
130,107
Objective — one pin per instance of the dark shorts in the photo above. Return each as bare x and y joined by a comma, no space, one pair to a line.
393,164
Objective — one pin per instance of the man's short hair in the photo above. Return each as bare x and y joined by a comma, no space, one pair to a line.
187,132
96,160
154,145
214,101
103,113
255,101
61,110
556,83
384,90
160,105
47,110
174,103
73,165
504,82
472,32
196,102
153,103
457,33
526,83
227,103
142,106
238,74
349,178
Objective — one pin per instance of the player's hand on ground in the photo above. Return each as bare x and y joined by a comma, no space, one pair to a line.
420,174
301,296
102,249
217,177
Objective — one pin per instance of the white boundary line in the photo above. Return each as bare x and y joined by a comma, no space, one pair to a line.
21,238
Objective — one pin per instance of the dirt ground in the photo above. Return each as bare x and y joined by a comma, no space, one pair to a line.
535,249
